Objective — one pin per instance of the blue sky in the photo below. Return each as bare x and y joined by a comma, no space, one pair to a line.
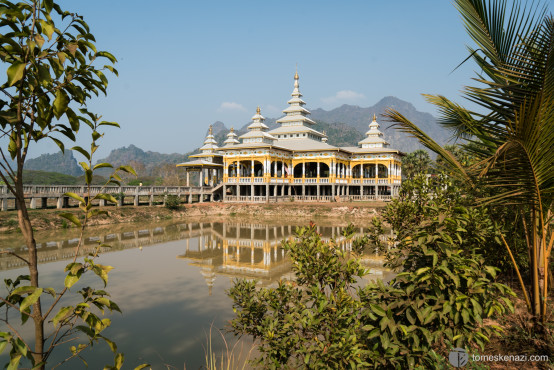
185,64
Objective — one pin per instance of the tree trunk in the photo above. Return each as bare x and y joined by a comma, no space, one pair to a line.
28,236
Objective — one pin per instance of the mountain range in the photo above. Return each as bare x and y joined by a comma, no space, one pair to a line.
345,126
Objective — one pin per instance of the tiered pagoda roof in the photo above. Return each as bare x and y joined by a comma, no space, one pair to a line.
231,138
257,131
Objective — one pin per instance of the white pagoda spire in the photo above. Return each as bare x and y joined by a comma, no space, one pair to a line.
258,122
257,130
295,113
374,137
209,144
231,138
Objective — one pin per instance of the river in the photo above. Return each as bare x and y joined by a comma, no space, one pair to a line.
170,281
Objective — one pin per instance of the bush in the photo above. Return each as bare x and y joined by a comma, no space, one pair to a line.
441,297
172,201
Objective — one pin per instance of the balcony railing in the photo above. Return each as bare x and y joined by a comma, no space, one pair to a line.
312,180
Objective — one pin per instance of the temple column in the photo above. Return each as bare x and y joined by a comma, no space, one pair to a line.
252,168
303,169
376,180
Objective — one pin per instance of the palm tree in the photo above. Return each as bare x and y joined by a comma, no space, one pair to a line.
416,162
511,136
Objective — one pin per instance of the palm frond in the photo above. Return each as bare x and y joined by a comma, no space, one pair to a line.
405,125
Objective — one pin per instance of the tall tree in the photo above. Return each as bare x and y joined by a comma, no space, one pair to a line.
511,136
53,69
416,162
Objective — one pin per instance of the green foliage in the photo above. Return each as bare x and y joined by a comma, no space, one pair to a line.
172,201
83,318
416,162
53,70
440,299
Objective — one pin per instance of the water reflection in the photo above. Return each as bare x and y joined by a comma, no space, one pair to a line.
239,249
170,280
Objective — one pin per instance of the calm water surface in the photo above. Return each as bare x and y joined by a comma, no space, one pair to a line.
170,282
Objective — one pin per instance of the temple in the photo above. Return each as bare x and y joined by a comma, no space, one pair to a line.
294,162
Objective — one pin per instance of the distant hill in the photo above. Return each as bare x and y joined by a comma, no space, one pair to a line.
359,118
57,162
145,163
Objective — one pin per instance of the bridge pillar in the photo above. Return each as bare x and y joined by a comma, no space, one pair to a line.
224,193
201,196
136,201
4,204
121,200
151,200
33,204
102,203
63,202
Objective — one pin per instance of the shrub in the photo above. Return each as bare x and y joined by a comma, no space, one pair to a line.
172,201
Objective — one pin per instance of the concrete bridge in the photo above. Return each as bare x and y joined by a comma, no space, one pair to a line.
39,196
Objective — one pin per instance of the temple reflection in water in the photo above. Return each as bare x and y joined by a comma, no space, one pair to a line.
233,250
253,251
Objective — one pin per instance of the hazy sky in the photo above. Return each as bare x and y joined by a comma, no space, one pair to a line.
186,64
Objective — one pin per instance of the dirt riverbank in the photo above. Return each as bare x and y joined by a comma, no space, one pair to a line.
48,219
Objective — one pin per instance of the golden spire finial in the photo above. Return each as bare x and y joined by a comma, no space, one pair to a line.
210,130
374,117
232,129
258,110
324,132
296,73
